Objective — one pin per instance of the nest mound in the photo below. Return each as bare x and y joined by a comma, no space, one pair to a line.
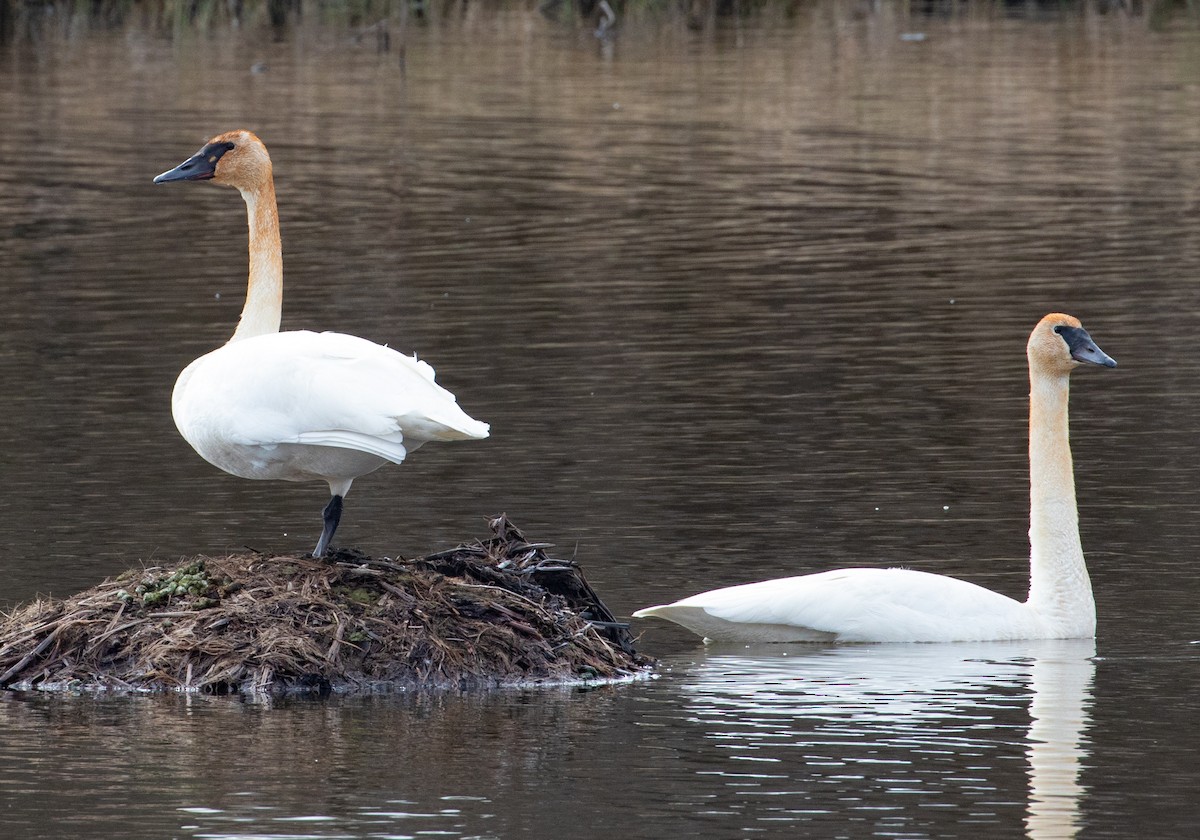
497,612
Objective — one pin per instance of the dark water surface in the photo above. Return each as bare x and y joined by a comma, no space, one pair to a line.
740,299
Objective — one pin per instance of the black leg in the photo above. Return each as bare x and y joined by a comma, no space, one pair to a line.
332,515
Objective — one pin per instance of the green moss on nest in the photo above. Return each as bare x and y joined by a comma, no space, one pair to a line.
489,613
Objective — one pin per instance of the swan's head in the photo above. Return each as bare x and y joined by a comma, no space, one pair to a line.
1059,344
235,158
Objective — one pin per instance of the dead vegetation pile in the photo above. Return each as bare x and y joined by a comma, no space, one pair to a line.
489,613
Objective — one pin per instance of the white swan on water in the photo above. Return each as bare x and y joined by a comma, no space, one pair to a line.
301,405
902,605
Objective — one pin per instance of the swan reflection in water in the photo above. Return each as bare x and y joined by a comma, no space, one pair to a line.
890,734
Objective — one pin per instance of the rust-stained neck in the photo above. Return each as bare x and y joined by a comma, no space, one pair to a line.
246,165
263,309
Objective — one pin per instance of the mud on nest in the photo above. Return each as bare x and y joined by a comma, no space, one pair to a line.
489,613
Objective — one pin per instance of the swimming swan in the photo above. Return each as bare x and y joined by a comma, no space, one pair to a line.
901,605
299,405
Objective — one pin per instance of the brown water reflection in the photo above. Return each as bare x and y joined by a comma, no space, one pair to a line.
739,301
872,736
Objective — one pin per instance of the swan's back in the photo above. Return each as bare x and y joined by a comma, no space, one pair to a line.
315,389
853,605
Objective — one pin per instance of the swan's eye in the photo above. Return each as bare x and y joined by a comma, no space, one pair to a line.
1058,330
213,152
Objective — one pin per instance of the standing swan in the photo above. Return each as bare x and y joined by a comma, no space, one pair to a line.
901,605
300,405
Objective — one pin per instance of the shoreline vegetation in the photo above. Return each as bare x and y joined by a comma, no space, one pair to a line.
379,20
489,614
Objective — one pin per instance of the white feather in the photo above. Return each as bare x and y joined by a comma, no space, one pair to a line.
853,605
238,406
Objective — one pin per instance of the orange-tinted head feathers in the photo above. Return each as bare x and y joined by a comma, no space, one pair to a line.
1059,343
236,158
247,164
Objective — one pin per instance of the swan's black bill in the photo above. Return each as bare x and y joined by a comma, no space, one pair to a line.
199,167
1082,348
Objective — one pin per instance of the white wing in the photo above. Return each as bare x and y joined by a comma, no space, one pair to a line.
324,389
853,605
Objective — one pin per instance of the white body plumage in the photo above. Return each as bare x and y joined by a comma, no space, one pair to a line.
302,405
902,605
